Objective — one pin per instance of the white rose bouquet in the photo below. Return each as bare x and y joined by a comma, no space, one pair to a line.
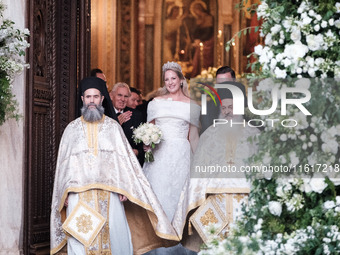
150,135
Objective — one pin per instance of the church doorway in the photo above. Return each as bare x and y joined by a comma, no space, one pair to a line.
59,57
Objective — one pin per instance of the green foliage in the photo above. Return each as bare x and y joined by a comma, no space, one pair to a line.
298,211
8,105
12,50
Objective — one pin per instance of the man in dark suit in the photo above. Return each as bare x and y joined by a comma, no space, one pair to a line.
224,73
128,118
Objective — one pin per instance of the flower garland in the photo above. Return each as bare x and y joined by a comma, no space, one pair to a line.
294,214
12,50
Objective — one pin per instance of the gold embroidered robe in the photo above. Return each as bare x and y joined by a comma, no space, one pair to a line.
97,156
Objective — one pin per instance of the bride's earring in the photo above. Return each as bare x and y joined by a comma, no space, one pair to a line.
181,84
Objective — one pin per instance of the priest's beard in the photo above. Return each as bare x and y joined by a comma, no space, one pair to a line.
92,114
236,127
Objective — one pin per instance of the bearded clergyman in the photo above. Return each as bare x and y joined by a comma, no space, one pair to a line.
217,188
96,167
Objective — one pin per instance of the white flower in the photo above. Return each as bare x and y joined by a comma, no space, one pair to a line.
311,13
275,208
279,57
295,203
283,137
302,8
306,20
311,72
287,62
268,175
287,23
317,27
293,158
313,138
279,73
331,22
295,35
275,29
258,49
337,23
330,146
318,184
146,140
266,158
266,55
268,40
306,186
337,199
337,6
279,191
155,138
319,61
328,204
314,42
283,159
261,9
311,158
301,119
296,50
324,24
302,137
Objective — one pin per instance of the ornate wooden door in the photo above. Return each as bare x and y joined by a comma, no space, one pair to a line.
59,56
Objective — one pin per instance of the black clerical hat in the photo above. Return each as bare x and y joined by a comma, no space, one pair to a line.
92,83
226,93
96,83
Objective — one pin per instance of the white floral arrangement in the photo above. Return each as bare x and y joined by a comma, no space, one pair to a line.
150,135
295,213
12,63
303,43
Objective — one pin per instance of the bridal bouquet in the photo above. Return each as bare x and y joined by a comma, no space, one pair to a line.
150,135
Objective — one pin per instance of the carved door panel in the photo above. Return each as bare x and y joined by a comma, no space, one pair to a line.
59,58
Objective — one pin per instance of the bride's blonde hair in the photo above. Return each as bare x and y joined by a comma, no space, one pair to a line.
173,66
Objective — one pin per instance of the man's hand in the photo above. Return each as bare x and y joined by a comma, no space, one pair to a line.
124,117
122,198
146,147
135,151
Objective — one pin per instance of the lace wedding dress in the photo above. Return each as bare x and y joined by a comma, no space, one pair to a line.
168,173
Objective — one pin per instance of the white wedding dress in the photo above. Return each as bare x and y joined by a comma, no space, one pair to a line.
170,169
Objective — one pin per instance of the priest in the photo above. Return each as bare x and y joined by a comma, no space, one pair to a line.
217,187
97,167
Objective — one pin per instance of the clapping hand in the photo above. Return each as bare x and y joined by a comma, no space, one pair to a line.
124,117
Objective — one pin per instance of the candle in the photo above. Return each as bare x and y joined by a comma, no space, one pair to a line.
219,47
201,56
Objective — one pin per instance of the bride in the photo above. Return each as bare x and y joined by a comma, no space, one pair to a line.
178,118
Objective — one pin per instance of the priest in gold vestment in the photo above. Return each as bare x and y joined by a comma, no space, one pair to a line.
217,187
97,167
